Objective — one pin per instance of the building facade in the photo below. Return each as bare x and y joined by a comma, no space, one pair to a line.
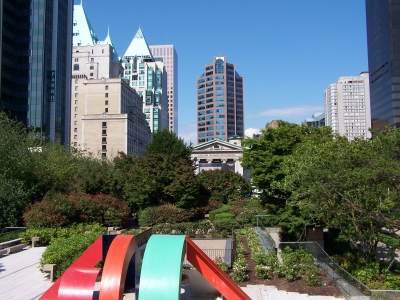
220,102
220,155
148,77
316,120
347,106
383,36
170,59
35,64
107,114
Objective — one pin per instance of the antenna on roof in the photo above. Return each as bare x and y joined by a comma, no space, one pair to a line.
81,2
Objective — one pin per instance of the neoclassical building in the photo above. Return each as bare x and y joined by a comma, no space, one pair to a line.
218,155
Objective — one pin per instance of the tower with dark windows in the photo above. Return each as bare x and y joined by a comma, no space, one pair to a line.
35,64
383,36
220,109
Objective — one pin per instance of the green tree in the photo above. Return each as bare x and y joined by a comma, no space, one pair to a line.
167,142
352,186
231,185
18,183
158,179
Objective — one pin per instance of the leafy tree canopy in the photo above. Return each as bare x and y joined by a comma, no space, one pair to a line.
225,182
349,185
167,142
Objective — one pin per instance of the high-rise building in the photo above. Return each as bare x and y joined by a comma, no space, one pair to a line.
383,36
35,64
170,59
107,114
347,106
316,120
148,77
220,109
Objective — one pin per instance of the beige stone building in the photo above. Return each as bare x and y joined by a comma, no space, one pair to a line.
106,113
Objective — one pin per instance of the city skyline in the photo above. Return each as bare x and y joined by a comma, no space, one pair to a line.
289,52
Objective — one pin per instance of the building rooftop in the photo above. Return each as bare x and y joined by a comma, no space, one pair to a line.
139,47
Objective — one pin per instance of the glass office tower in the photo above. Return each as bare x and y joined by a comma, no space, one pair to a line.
383,36
35,64
220,109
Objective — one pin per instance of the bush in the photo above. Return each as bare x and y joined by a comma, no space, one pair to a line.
49,234
225,215
224,208
167,213
191,229
59,210
225,226
64,251
264,272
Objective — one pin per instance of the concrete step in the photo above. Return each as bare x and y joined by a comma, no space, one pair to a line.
265,292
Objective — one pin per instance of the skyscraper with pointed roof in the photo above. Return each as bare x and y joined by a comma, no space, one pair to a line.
148,77
107,114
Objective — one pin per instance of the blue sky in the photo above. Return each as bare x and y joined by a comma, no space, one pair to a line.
288,51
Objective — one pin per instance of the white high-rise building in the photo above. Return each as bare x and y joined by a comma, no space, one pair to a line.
170,59
148,77
347,106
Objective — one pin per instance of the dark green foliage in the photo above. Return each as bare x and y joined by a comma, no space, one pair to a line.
224,184
168,143
64,251
58,210
49,234
9,236
157,179
224,227
192,229
165,214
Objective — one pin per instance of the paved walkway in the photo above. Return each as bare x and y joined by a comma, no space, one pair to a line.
20,277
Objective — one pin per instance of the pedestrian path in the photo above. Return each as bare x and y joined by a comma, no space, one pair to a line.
20,277
266,292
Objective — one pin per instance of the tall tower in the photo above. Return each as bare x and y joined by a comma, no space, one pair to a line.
220,110
107,114
383,35
148,77
347,106
35,64
170,59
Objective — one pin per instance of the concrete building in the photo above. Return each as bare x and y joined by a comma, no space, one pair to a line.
35,64
347,106
383,35
316,120
147,75
217,155
170,59
220,108
107,114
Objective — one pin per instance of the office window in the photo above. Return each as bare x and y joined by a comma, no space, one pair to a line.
76,88
75,123
106,110
91,67
75,137
76,67
106,95
106,87
92,59
76,102
75,129
76,95
76,109
106,102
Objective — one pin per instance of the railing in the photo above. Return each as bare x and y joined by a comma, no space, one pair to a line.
266,231
10,233
347,284
224,254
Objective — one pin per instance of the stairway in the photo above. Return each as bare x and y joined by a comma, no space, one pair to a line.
266,292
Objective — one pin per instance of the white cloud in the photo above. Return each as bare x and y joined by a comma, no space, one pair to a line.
289,112
250,131
188,132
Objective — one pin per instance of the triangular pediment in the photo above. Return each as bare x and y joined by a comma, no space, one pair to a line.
216,146
139,47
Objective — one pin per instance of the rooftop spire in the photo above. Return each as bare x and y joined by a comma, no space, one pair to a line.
139,47
83,31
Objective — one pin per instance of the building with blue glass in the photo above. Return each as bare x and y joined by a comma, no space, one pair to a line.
220,108
383,38
35,64
147,75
